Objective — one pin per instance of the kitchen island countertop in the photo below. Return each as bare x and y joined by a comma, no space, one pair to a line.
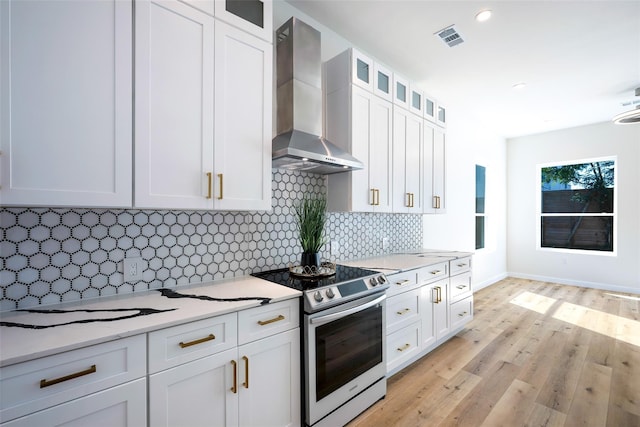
396,263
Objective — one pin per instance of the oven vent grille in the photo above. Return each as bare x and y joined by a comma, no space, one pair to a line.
450,36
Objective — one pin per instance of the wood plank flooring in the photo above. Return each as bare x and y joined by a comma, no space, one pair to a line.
535,354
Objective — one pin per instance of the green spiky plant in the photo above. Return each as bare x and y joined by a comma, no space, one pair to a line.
311,216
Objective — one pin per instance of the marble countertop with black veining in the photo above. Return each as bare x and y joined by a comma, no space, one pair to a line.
41,331
397,263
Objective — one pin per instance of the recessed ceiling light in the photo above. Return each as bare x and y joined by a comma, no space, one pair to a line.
483,15
520,85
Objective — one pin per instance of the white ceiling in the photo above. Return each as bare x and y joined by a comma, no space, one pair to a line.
580,59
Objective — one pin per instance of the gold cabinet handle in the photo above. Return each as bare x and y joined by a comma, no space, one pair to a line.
403,311
408,204
402,282
436,202
234,389
439,294
209,185
461,286
462,265
438,290
436,271
412,200
404,347
46,383
373,197
275,319
221,186
377,197
464,313
210,337
246,372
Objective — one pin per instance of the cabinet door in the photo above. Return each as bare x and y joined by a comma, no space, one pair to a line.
430,112
439,170
269,381
362,197
66,119
415,101
198,393
361,70
381,154
121,406
252,16
400,91
382,82
243,88
407,164
174,106
439,294
428,303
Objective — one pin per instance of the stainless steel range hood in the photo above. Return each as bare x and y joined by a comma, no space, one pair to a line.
299,144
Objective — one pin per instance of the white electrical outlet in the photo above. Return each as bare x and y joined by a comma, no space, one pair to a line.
132,269
334,246
385,243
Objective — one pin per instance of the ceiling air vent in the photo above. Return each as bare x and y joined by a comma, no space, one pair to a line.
450,36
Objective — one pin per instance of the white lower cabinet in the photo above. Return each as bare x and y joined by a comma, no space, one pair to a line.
99,385
424,313
237,370
121,406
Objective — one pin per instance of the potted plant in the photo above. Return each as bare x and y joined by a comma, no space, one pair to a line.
311,215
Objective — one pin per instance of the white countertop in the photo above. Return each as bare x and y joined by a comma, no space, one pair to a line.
18,344
396,263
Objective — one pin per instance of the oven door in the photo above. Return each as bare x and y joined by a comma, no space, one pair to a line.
345,352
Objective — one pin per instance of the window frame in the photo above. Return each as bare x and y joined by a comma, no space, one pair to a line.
482,214
613,215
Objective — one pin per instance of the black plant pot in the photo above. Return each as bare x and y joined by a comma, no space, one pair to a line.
310,259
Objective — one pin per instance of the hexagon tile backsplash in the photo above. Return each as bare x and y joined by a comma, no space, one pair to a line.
49,256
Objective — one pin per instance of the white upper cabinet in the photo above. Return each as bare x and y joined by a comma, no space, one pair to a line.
400,91
66,110
362,70
203,121
434,160
429,109
383,82
407,162
243,91
253,16
415,100
174,106
441,118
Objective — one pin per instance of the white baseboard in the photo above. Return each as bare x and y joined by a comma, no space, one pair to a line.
479,285
582,283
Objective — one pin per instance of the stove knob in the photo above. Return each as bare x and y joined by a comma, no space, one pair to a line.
330,293
373,281
317,296
381,280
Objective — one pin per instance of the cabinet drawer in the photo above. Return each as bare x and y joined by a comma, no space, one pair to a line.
183,343
461,312
402,282
269,319
403,345
402,310
433,272
460,286
461,265
41,383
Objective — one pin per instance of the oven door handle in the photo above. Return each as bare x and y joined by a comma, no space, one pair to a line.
334,316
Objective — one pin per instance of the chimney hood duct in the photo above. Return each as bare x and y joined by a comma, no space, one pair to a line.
299,144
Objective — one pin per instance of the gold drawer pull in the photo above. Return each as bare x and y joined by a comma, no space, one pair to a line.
462,265
403,311
200,341
404,347
234,389
47,383
461,286
246,372
221,187
436,272
464,313
402,282
209,185
275,319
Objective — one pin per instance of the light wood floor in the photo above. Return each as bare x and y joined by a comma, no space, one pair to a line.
535,354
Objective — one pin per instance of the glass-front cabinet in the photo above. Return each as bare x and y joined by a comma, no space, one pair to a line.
252,16
415,101
400,91
361,70
383,79
441,119
429,108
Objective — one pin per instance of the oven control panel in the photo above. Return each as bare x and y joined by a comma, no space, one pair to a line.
335,294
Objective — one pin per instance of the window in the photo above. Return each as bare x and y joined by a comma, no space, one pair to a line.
480,192
577,205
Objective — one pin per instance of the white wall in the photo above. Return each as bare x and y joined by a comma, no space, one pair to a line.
620,272
469,144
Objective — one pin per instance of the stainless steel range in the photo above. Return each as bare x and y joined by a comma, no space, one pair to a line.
344,341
